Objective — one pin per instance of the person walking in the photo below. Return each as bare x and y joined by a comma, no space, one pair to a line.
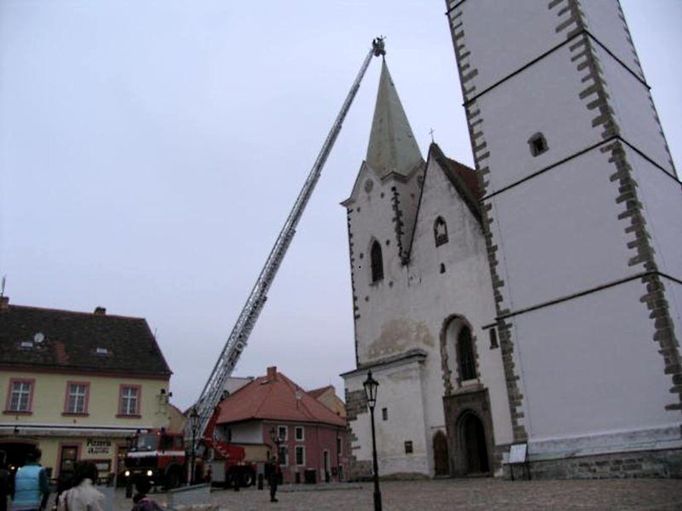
31,485
5,481
83,496
273,473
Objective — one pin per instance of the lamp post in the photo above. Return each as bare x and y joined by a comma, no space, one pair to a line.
371,386
194,426
277,441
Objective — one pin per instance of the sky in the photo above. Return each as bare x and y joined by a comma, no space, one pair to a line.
150,152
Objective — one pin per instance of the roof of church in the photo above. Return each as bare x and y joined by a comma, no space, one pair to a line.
275,397
33,338
392,146
463,178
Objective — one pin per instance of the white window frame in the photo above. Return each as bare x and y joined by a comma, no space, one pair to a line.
20,396
126,398
76,398
302,430
285,437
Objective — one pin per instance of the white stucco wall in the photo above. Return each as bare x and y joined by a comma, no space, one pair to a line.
505,44
560,233
661,197
604,22
633,111
589,367
400,393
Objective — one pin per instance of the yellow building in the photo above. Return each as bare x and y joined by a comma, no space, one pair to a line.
77,385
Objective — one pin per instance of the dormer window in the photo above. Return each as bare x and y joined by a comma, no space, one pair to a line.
440,231
538,144
26,345
102,352
377,261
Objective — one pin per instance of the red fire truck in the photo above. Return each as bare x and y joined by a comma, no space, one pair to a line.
160,457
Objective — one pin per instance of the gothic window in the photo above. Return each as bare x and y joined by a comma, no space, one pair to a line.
465,355
377,262
538,144
440,231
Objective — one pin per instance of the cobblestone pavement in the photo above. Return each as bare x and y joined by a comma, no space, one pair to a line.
455,495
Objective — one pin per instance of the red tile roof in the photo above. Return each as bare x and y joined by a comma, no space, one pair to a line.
275,397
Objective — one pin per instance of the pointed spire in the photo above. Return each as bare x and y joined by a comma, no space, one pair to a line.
392,147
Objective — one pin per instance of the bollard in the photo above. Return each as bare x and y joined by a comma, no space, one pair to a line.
260,481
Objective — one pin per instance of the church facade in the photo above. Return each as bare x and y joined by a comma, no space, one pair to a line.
536,300
421,293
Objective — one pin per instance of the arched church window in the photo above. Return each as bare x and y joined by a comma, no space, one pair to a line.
377,262
465,355
440,231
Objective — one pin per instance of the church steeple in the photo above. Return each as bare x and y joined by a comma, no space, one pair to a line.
392,147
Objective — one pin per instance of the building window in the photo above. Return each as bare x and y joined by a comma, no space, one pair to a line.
377,262
299,433
538,144
129,401
440,231
338,446
77,394
465,355
300,455
282,433
283,455
493,339
384,414
20,396
408,447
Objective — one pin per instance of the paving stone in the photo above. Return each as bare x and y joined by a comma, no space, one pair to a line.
461,494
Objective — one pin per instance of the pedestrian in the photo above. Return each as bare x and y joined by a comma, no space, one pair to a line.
82,496
31,484
273,473
142,502
5,481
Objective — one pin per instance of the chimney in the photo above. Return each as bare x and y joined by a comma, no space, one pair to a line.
272,373
100,311
4,303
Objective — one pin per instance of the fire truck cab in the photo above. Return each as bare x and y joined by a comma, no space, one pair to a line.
158,456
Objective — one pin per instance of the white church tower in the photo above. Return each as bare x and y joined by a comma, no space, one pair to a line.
583,217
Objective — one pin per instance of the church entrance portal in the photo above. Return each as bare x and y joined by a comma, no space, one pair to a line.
469,426
472,435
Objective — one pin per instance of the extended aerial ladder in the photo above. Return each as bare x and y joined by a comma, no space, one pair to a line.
236,342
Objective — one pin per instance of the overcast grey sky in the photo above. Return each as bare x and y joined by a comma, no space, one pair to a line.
150,151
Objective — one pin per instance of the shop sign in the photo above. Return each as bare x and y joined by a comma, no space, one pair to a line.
98,446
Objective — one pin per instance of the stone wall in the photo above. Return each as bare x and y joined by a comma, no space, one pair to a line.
661,464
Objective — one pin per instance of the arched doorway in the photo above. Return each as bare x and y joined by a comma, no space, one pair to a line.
473,442
440,454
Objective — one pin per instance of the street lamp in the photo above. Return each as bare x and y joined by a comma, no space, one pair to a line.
274,436
194,426
371,386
